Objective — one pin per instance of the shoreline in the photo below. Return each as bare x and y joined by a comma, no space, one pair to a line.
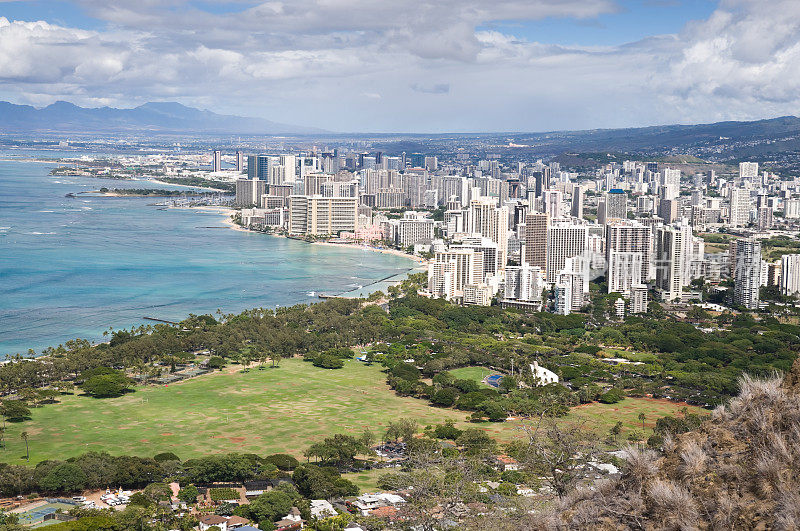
227,212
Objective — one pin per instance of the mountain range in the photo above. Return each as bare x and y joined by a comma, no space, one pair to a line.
154,117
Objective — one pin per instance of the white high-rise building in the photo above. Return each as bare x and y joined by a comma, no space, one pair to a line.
747,273
624,271
289,168
524,283
563,298
413,228
638,299
564,240
739,207
552,201
318,216
486,219
748,171
450,271
790,274
669,262
670,183
791,209
633,237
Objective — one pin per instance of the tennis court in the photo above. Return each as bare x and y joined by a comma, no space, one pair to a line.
34,516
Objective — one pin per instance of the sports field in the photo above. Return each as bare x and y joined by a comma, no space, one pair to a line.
261,411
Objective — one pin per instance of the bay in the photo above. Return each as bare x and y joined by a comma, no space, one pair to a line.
73,267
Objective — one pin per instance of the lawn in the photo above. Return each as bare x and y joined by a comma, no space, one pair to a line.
264,412
367,480
472,373
602,417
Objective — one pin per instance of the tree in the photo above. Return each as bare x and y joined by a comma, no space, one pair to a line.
476,442
558,451
445,397
276,359
642,418
270,506
215,362
14,410
401,429
188,494
616,429
66,477
106,385
24,437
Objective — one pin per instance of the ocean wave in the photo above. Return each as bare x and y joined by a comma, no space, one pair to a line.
41,233
48,211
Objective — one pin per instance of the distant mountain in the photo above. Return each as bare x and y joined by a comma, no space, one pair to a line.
155,117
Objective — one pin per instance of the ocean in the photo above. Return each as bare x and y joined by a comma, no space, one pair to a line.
73,267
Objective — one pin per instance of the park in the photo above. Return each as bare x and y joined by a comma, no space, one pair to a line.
262,411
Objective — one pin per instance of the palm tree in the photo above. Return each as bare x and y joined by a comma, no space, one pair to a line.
24,436
642,417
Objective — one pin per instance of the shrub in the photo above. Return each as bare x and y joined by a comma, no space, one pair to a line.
215,362
612,396
166,456
282,461
446,431
445,397
223,494
326,361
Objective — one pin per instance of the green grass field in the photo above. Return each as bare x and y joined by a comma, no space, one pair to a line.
261,411
472,373
274,410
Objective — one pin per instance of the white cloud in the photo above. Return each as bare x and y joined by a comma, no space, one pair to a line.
366,65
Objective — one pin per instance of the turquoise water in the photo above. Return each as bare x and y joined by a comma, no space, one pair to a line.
75,267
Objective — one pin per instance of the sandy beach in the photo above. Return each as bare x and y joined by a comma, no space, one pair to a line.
397,252
228,212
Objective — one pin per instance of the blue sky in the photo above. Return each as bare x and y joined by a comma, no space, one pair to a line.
413,65
632,21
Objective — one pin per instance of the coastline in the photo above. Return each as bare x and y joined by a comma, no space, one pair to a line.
228,212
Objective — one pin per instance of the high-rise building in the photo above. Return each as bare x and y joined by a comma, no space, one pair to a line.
413,228
289,169
536,239
216,161
669,262
616,205
564,240
748,171
318,216
249,192
624,271
239,162
739,207
563,298
747,273
764,218
631,237
552,202
790,274
524,283
450,271
638,299
670,183
486,219
577,202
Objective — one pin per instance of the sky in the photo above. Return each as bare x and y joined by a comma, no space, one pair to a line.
413,65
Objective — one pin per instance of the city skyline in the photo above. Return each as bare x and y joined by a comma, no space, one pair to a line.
444,67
